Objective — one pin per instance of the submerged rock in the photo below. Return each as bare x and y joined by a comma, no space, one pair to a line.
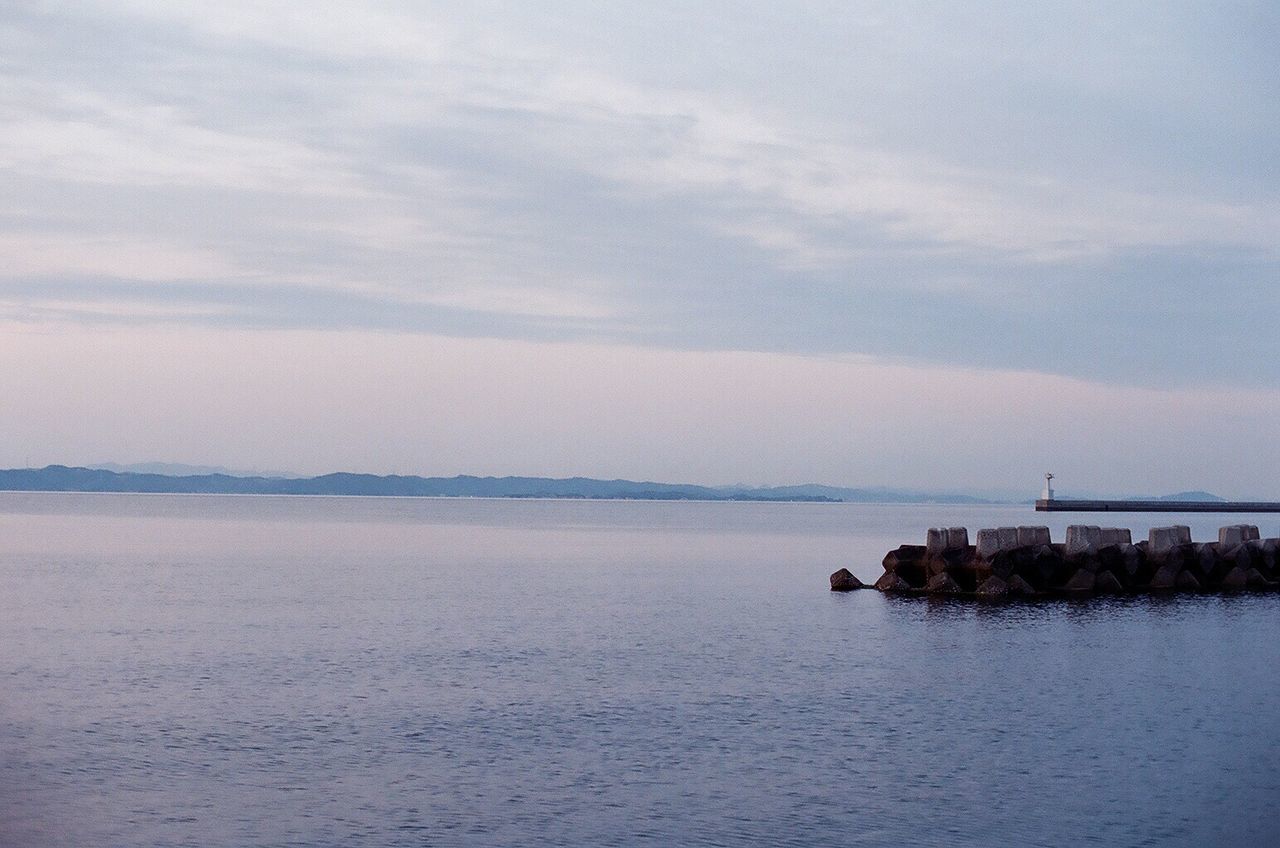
844,581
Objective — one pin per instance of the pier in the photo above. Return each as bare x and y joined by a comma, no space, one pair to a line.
1048,503
1060,505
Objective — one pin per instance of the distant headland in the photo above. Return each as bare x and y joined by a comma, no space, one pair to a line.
61,478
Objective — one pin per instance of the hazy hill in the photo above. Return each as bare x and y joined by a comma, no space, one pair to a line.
177,469
61,478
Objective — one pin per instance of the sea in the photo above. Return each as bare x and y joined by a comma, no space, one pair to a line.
186,670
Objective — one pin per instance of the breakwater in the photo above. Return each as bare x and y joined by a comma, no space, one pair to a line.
1058,505
1026,562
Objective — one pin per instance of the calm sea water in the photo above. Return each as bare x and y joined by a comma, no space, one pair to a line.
230,671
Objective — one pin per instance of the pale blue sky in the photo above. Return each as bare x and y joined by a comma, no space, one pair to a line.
1056,191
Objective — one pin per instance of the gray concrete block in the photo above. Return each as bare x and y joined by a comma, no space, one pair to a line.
1083,539
1163,539
992,541
1033,537
1236,534
940,539
988,543
1008,537
935,541
1116,536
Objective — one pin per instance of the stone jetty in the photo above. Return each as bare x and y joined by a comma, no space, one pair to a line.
1091,560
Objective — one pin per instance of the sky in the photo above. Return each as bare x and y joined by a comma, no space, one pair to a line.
931,245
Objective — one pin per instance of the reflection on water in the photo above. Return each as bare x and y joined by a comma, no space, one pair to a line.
185,670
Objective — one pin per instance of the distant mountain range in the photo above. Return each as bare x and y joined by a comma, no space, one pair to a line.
194,479
177,469
1190,496
61,478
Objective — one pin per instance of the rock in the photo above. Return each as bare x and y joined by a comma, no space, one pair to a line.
902,554
1249,554
1082,582
933,565
1033,537
1111,559
1083,539
957,538
948,560
1166,577
993,587
1206,557
908,562
1187,582
1236,534
942,583
1107,583
891,582
971,573
1162,539
1115,536
1005,563
1236,578
1231,558
1255,579
1270,548
1018,586
1089,562
844,581
1131,557
1047,566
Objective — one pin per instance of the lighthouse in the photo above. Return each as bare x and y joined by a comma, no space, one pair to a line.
1047,494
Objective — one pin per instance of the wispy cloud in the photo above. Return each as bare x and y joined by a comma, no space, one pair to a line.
372,165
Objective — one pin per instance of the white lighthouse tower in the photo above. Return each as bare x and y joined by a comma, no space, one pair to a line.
1047,494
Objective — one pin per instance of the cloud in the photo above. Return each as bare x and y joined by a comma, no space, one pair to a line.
997,188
